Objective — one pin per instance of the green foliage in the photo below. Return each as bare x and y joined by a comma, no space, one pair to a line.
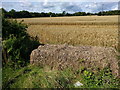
65,78
13,28
80,14
113,12
37,77
26,14
17,44
103,79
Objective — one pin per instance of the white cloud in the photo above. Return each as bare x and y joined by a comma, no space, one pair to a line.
25,3
0,4
71,7
97,7
64,0
45,2
58,7
115,7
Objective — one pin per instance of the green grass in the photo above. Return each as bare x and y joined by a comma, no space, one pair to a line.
37,77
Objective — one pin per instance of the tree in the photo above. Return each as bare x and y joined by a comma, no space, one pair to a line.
50,14
3,11
12,13
63,13
24,14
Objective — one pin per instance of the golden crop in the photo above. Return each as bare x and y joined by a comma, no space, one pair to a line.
80,30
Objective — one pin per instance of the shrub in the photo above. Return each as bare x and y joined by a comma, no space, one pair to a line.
17,44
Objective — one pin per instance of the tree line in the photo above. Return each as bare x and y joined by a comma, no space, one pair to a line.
26,14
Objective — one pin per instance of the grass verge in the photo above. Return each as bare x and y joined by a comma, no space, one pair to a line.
37,77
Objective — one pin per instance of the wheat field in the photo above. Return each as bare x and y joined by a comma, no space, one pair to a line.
76,30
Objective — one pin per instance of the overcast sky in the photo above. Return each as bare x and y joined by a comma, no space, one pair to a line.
59,6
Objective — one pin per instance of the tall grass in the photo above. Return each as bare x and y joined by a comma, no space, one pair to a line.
38,77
